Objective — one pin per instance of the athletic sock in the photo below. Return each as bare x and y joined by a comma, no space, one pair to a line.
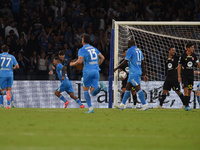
141,96
162,98
182,98
127,94
122,95
187,100
135,99
1,99
198,99
62,98
96,91
11,97
87,98
79,102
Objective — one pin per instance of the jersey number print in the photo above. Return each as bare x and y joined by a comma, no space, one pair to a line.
93,54
3,58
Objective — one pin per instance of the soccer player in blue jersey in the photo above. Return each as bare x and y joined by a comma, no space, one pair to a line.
65,85
91,58
7,61
135,59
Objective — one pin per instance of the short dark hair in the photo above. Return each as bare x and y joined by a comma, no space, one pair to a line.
61,53
5,48
86,38
131,43
57,58
170,47
188,45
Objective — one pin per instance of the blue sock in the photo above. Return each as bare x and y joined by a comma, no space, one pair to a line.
198,99
127,94
96,91
11,97
62,98
8,102
1,99
141,96
79,102
87,98
4,92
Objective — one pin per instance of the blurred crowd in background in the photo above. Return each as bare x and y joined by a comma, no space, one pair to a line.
36,30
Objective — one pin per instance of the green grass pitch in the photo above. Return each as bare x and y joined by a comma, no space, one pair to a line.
106,129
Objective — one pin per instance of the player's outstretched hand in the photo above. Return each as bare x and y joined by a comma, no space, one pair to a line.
71,64
145,78
51,72
179,79
196,72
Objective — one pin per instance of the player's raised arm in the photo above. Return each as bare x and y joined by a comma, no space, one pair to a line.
101,59
121,65
77,62
64,68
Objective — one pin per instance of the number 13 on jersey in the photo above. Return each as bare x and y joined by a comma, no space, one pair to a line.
93,54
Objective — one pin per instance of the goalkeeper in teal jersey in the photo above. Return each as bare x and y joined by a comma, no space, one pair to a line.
65,85
7,61
91,58
134,57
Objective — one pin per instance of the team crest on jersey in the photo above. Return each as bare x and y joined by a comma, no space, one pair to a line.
169,65
189,64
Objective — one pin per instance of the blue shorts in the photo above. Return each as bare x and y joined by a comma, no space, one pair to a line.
65,86
91,79
6,82
134,80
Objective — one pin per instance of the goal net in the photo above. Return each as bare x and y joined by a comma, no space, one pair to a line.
154,39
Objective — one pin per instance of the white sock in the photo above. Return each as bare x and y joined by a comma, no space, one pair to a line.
90,108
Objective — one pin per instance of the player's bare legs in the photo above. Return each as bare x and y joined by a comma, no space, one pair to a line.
180,94
197,92
187,93
8,93
127,95
71,94
88,98
59,95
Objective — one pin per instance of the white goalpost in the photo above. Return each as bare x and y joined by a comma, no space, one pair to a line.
154,39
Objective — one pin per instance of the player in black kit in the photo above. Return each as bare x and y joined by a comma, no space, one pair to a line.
171,77
187,62
124,82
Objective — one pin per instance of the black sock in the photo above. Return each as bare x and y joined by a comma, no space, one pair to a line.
134,99
182,98
162,98
122,95
187,100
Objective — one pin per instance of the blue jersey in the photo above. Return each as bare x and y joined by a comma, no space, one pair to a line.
134,56
6,63
60,72
90,57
